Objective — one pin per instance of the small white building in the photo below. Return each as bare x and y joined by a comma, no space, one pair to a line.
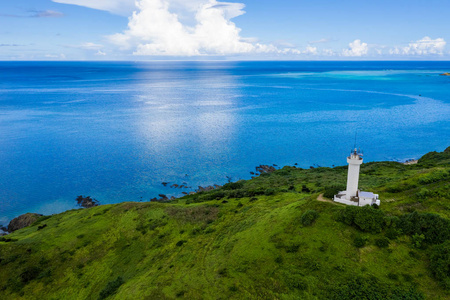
353,196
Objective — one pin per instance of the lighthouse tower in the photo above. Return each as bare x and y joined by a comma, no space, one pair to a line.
353,196
354,162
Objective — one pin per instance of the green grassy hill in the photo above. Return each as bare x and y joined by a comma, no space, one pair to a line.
265,238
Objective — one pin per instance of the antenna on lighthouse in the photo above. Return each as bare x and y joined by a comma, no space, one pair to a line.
356,134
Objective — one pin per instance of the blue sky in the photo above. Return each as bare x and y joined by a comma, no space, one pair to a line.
211,29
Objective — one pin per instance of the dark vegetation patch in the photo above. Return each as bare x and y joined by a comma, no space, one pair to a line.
309,217
111,288
330,191
440,263
368,287
194,214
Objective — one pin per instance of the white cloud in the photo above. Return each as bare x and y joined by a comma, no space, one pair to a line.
356,48
310,50
155,29
47,14
120,7
36,14
100,53
89,46
425,46
55,56
328,52
321,41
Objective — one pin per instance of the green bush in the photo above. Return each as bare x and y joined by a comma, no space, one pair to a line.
364,218
360,241
440,263
29,274
359,287
393,233
348,214
382,242
330,191
269,192
435,228
417,240
309,217
111,288
180,243
236,194
234,185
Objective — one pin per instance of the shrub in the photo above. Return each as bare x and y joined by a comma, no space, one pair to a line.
292,248
29,274
305,189
309,217
234,185
111,288
269,192
252,193
347,215
295,281
359,287
279,259
180,243
423,194
382,242
233,288
435,228
440,263
393,233
330,191
364,218
417,240
236,194
392,276
360,241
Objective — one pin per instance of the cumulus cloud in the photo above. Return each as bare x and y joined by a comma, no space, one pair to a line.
424,46
356,48
157,28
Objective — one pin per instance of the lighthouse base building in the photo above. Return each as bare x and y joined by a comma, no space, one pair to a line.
361,198
353,196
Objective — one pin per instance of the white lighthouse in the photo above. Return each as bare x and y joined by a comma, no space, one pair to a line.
353,196
354,162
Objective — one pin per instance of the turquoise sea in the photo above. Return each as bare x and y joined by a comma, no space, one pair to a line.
117,130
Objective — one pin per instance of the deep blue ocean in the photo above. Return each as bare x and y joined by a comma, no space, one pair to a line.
116,130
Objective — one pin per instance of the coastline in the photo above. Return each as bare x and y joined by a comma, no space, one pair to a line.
261,169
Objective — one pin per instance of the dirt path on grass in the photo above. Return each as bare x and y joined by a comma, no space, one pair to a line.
322,199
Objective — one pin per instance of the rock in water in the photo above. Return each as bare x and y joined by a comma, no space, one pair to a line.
265,169
23,221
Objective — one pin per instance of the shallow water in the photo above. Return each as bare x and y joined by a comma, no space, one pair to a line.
115,131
